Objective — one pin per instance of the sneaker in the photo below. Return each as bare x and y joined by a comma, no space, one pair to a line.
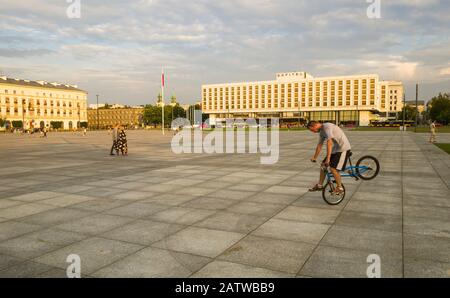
316,187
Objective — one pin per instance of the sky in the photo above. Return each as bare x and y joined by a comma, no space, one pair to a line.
116,49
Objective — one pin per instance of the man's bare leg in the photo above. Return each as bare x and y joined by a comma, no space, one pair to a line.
336,176
322,177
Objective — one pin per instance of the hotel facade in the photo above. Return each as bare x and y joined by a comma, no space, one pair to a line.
38,103
298,95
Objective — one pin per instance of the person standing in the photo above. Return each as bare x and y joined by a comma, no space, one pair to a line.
122,144
114,135
433,132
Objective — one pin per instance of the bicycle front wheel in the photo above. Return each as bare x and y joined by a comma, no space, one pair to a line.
367,167
329,196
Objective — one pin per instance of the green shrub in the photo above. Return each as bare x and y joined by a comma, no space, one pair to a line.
84,125
17,124
56,124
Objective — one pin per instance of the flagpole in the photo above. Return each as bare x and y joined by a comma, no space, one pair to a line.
162,99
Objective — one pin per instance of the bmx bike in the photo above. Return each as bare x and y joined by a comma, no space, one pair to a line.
367,168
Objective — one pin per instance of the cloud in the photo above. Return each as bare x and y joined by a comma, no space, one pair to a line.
23,53
117,48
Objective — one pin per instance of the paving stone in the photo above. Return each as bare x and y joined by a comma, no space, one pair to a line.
374,207
427,248
181,215
90,193
94,224
8,261
55,216
376,221
343,262
154,262
143,232
292,230
66,200
273,254
232,222
137,210
94,253
209,203
169,199
374,241
256,209
36,196
416,268
288,190
200,241
11,229
304,214
23,210
272,198
221,269
231,194
25,270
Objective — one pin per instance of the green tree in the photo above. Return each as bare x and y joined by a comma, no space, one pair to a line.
152,115
56,124
17,124
410,112
440,108
178,112
2,122
84,125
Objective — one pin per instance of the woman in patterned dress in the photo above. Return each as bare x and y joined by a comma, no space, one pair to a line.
122,144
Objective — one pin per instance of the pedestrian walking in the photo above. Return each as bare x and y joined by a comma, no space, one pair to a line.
433,132
114,136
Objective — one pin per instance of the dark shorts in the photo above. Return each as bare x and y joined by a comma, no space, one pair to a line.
339,160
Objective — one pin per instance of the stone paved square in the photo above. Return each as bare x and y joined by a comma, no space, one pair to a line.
159,214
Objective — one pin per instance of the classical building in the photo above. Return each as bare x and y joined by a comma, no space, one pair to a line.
39,103
106,118
298,95
420,105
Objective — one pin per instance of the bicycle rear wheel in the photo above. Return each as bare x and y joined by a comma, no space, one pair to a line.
329,197
367,167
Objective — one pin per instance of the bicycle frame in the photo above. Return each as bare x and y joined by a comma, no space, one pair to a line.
349,171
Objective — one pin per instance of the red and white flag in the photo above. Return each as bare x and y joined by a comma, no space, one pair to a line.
162,78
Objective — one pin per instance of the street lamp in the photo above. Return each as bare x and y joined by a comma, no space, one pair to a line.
357,112
98,118
24,109
79,117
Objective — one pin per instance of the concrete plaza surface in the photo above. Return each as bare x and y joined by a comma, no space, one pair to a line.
158,214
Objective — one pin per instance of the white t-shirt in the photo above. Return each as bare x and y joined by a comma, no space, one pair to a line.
332,131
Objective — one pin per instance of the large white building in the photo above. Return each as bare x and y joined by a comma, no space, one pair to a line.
39,103
295,95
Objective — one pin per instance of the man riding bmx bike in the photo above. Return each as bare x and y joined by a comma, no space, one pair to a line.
338,152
